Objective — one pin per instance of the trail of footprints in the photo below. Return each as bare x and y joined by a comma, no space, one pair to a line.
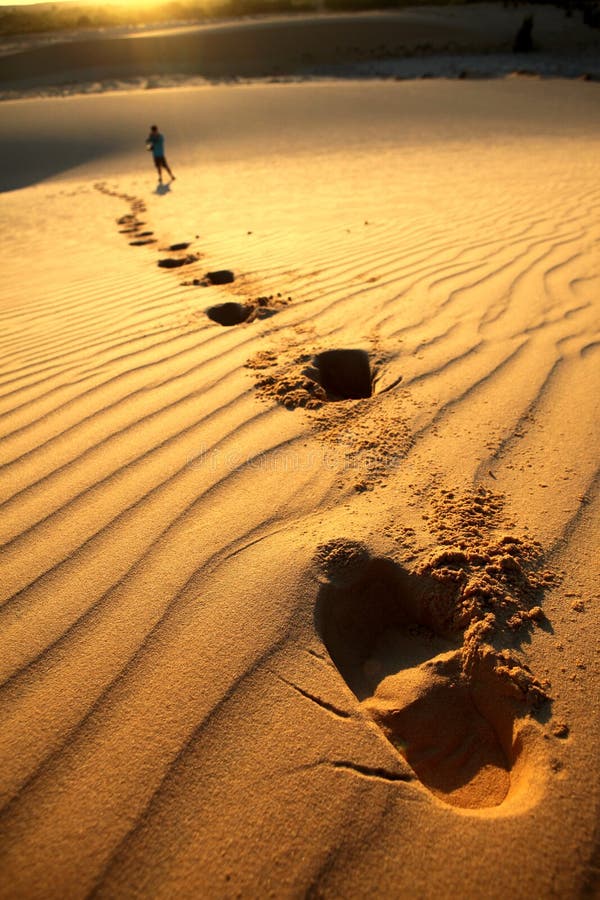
451,705
333,375
227,314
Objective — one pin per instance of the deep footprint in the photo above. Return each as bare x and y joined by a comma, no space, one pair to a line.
222,276
343,374
229,313
388,634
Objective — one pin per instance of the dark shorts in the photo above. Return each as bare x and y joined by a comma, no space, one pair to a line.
160,161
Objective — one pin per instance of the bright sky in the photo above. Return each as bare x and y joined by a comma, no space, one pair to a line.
83,2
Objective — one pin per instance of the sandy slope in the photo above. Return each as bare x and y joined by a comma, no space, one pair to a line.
476,38
254,641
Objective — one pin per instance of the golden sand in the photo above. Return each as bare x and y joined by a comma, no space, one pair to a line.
256,646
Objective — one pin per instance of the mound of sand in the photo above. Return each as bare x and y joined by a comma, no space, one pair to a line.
450,40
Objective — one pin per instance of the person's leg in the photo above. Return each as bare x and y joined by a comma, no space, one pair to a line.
166,164
158,169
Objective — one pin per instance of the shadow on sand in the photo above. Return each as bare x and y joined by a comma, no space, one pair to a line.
28,162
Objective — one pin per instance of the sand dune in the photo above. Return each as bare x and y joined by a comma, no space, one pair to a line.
412,42
261,636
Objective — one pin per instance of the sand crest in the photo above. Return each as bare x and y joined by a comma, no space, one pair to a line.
474,40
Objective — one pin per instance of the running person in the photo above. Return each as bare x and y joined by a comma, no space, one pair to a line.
156,142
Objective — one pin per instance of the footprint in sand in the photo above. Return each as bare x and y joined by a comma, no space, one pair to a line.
229,313
221,276
172,262
233,313
440,702
309,380
343,374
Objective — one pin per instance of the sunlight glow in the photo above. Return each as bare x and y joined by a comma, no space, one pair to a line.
124,4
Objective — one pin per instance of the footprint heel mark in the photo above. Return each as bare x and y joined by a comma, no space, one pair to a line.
436,696
430,714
